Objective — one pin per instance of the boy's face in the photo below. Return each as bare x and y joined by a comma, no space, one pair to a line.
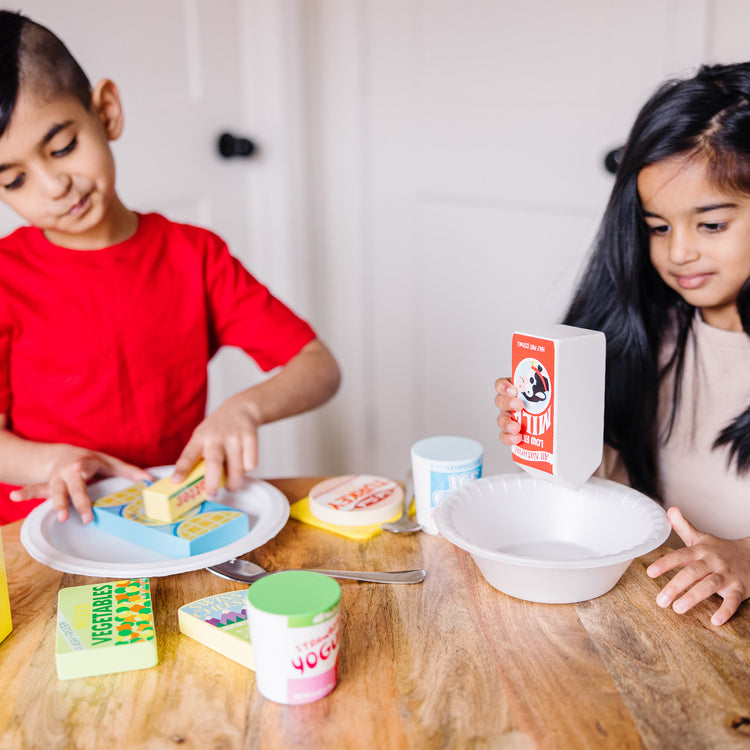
56,168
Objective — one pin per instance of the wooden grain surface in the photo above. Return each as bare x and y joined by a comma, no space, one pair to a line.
449,663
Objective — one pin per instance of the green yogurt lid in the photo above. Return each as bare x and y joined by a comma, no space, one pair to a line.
294,592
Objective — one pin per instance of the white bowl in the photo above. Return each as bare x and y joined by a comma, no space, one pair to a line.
535,540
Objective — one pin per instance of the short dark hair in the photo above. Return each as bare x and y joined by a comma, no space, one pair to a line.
31,55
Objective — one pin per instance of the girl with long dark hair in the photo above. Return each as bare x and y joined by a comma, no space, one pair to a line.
668,282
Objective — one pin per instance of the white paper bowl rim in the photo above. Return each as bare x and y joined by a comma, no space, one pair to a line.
657,531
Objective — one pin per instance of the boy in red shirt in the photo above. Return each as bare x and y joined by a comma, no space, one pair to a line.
108,317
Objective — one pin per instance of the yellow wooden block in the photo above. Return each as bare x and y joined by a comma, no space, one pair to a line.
5,622
166,501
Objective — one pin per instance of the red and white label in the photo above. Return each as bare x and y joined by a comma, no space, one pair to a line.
356,500
533,364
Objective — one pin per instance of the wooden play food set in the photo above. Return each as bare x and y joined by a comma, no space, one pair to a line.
220,622
203,528
105,627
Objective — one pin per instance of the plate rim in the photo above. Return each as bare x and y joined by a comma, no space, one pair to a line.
42,550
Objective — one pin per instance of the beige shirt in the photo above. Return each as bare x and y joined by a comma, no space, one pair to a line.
715,389
695,477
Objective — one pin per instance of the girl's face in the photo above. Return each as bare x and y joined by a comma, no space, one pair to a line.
699,237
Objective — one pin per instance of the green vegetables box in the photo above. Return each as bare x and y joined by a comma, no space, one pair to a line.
105,627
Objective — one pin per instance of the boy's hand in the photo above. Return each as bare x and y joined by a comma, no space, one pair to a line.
68,476
508,402
710,565
228,438
228,441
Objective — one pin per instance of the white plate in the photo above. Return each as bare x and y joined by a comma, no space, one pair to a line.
74,548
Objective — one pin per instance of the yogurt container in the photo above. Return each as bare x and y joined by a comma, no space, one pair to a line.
293,618
440,465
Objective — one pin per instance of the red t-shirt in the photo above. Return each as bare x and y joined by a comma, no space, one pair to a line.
107,349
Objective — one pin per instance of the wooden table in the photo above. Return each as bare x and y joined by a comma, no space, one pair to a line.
449,663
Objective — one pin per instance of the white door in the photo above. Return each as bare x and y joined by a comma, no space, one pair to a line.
462,142
188,70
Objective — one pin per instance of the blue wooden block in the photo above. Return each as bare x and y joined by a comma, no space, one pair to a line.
202,529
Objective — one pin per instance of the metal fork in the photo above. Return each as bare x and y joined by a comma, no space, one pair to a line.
404,524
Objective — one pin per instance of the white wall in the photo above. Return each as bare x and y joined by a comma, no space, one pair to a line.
456,160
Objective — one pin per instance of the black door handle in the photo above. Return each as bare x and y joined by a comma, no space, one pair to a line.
612,160
230,145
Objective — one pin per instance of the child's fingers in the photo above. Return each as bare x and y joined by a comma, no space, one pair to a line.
70,486
88,467
504,386
30,492
508,403
58,493
214,469
76,488
249,453
728,607
675,559
94,465
128,471
681,557
706,570
704,588
510,435
214,457
688,533
189,457
693,570
508,425
234,464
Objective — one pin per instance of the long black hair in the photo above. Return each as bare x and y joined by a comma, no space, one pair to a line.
31,55
620,292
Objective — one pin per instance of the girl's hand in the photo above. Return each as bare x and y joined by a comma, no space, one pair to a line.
68,476
508,402
228,440
710,565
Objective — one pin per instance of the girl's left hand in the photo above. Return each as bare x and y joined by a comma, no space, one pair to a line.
710,565
508,402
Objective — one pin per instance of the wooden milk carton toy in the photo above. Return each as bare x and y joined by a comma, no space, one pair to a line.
559,373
